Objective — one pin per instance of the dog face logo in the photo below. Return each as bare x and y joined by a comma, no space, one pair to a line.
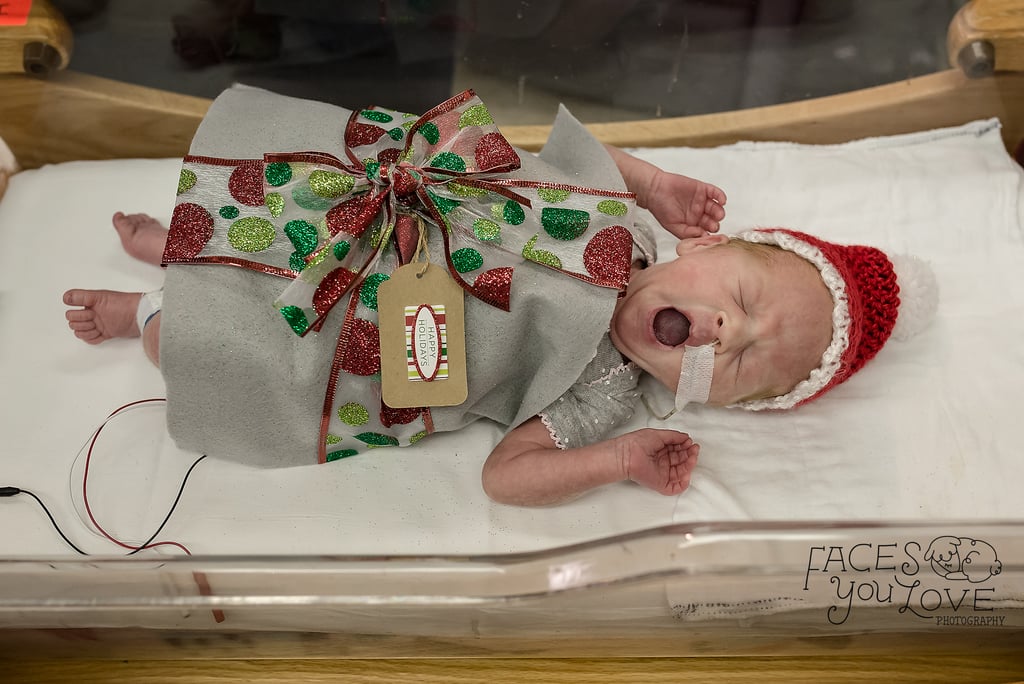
963,558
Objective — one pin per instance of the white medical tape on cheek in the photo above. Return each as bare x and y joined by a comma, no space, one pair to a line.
695,375
149,305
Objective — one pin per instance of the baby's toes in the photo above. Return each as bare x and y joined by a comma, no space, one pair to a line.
89,336
79,315
82,326
79,298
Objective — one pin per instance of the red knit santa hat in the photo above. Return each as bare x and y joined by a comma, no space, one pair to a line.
875,296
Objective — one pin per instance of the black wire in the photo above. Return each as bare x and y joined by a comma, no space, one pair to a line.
12,491
174,505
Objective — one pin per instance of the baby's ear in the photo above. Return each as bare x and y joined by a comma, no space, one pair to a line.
710,240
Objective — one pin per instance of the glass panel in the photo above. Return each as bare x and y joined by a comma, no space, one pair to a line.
608,60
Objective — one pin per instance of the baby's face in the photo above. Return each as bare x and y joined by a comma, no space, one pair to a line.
771,315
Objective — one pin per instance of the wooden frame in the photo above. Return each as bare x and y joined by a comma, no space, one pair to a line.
68,116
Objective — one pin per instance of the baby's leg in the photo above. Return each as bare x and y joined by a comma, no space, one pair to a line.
142,236
106,314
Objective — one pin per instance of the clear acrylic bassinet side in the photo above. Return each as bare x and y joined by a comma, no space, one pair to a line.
717,589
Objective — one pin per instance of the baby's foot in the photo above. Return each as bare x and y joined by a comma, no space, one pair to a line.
142,236
104,315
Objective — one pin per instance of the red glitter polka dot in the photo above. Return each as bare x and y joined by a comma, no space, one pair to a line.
361,355
397,416
495,286
191,228
447,125
608,255
389,156
493,151
246,183
351,216
358,134
465,145
404,182
330,289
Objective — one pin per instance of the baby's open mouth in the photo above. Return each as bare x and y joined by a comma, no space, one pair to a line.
671,327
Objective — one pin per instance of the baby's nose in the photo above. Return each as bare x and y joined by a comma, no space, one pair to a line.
729,328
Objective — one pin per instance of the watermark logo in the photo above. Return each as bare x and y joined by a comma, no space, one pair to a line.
963,558
945,580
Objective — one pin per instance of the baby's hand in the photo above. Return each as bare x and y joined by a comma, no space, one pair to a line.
686,207
662,460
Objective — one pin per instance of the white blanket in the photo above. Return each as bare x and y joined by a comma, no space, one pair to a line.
927,430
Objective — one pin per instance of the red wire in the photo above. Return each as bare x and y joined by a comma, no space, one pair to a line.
85,485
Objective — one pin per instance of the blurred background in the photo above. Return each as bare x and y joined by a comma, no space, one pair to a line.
607,60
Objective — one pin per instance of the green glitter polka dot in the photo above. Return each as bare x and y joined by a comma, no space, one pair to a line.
275,203
539,255
296,318
330,184
376,235
251,234
612,207
465,190
485,230
331,439
553,195
376,439
477,115
448,160
418,436
513,213
353,414
379,117
372,168
406,125
186,180
396,134
430,132
444,205
467,259
303,235
564,224
297,262
340,454
340,249
229,212
318,257
368,291
278,173
304,196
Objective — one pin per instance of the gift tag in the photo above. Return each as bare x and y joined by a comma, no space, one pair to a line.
420,313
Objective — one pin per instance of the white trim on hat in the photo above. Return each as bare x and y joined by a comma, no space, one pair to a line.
831,360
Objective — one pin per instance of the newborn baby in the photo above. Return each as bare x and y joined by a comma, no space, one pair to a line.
766,319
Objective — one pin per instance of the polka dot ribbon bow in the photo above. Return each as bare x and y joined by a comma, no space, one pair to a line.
447,170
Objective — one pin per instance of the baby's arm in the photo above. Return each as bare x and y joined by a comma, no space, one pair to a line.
686,207
527,469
